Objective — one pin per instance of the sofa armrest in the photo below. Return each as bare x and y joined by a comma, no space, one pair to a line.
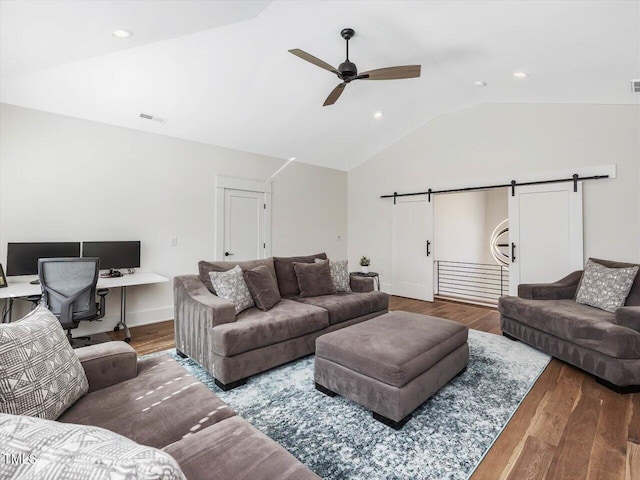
629,317
562,289
361,284
107,364
191,298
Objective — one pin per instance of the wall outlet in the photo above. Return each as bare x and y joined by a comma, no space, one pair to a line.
173,242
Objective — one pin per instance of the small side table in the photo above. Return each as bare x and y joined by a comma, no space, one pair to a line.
368,275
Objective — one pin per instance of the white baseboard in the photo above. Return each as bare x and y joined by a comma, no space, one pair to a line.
134,319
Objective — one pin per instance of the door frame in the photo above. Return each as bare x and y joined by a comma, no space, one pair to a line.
247,185
576,226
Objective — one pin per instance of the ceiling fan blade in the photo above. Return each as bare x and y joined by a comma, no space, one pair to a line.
310,58
334,95
391,73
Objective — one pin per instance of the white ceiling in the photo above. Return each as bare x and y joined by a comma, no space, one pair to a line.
220,71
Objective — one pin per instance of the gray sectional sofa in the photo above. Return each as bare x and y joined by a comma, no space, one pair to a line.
604,344
156,402
233,347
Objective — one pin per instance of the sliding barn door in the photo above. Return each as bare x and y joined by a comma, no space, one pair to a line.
545,233
412,257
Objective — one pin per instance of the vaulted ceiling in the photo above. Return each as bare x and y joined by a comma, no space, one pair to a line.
220,73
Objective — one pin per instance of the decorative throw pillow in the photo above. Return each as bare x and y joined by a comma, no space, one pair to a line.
339,274
40,374
231,286
314,279
605,288
263,287
48,450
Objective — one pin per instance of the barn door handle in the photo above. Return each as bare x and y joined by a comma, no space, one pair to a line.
513,252
227,254
428,245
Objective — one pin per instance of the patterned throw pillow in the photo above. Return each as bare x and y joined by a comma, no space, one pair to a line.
45,450
339,274
40,374
231,286
605,288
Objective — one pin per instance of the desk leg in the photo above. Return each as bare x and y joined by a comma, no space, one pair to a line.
123,316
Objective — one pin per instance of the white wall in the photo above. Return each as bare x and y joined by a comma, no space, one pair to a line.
459,227
496,210
463,223
497,142
65,179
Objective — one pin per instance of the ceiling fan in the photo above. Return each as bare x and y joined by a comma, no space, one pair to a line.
348,72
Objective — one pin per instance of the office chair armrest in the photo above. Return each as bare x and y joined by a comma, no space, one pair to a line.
108,364
102,292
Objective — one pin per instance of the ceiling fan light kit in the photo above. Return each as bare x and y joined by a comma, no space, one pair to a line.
347,71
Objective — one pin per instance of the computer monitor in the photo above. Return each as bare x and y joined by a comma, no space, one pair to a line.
22,258
113,255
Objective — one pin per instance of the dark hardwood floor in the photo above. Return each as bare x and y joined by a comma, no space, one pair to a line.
568,426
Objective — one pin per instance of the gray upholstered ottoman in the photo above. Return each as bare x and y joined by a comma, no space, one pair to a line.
391,364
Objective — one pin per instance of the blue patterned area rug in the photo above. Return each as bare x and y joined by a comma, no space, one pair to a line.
446,438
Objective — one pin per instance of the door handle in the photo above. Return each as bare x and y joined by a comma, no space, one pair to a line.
227,254
428,245
513,252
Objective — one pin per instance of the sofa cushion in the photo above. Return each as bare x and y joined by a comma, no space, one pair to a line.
234,449
59,451
394,348
345,306
40,375
254,328
263,287
204,267
286,276
158,407
314,279
581,324
339,274
230,286
633,299
605,288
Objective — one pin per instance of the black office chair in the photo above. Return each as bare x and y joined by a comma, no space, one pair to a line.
69,291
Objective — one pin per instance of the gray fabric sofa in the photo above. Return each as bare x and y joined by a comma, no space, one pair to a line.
233,348
607,345
156,402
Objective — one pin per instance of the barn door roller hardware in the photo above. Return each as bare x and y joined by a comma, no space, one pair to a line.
513,184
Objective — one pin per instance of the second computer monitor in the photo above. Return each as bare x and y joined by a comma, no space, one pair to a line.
113,255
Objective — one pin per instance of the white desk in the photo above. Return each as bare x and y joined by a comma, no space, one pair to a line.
19,287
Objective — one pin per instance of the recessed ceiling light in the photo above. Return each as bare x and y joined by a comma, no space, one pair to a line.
520,74
121,33
378,115
480,84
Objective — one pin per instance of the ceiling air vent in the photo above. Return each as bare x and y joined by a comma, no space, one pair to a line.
635,85
153,118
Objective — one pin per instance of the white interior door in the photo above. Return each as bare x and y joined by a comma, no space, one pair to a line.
244,225
412,257
545,233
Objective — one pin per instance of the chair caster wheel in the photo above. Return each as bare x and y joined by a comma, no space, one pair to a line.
128,340
115,329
